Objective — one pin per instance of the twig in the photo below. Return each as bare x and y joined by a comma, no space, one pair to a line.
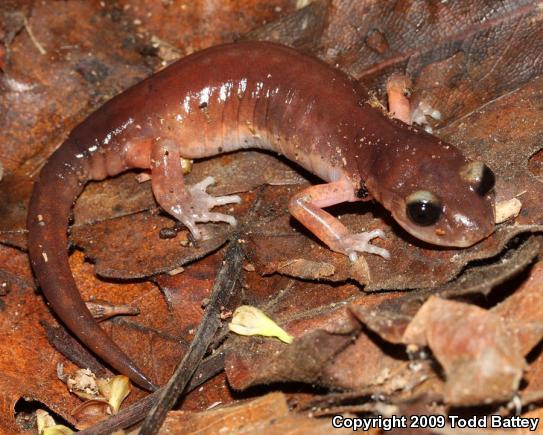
223,287
137,411
68,346
33,38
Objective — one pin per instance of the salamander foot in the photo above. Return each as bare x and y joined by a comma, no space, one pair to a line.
203,202
360,242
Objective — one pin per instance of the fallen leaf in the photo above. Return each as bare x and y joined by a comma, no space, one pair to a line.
268,414
480,354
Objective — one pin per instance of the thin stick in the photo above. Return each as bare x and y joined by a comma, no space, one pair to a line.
68,346
223,288
33,38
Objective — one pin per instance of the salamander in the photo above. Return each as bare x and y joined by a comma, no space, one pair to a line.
265,96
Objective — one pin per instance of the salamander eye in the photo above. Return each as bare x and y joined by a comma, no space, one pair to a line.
423,208
479,177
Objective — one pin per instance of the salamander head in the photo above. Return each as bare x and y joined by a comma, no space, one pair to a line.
434,192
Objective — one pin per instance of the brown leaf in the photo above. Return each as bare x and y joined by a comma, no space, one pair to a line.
482,358
509,130
525,305
146,254
196,25
14,195
391,317
268,414
262,361
461,54
302,29
27,362
330,350
296,256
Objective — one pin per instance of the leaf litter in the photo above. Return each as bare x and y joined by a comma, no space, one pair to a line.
481,74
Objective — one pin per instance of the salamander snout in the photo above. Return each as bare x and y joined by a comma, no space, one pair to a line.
456,213
445,201
424,208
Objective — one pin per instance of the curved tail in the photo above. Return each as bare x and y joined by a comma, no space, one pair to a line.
60,182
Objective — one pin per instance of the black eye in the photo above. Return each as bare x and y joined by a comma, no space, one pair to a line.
479,176
423,208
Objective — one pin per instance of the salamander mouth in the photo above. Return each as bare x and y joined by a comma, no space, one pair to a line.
451,238
439,236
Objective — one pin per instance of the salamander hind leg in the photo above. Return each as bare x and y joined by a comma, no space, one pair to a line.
400,107
188,204
306,206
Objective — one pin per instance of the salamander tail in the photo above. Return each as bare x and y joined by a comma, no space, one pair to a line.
60,182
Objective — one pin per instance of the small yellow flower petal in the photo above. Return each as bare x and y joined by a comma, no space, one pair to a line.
58,429
186,165
115,391
43,420
248,320
47,426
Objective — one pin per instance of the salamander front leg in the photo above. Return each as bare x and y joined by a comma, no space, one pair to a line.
306,206
188,204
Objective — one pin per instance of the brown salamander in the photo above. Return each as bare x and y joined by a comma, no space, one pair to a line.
254,95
